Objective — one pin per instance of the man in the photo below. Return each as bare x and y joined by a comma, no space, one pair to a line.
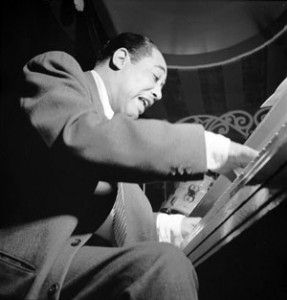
82,148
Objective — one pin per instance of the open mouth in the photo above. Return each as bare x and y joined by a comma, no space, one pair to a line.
145,102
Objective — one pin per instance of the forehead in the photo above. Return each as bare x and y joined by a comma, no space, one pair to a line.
155,61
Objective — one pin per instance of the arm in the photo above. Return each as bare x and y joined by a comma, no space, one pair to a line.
60,106
222,156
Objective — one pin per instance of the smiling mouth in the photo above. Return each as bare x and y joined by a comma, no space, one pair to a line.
146,102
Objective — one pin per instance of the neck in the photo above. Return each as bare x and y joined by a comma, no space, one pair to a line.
106,75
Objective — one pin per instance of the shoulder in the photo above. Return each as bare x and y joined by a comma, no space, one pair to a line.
54,60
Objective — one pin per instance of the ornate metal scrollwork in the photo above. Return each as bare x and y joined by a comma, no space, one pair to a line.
238,120
241,122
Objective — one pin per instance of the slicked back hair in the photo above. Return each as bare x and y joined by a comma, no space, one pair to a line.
138,46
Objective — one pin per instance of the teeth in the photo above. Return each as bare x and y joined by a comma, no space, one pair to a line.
144,101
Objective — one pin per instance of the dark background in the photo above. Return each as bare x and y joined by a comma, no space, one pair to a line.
236,70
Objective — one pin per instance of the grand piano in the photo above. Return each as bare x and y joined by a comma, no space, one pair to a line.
238,247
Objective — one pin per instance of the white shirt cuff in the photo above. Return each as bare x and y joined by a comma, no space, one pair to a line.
169,228
217,148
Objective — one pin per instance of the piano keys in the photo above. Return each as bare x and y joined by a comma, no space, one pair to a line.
233,205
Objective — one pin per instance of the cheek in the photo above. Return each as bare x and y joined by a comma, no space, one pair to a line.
131,108
128,89
139,83
131,104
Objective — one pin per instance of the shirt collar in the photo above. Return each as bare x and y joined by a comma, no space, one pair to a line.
109,113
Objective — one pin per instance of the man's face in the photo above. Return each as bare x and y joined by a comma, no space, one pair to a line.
140,84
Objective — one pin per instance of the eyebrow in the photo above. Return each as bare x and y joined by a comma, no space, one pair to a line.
164,70
161,67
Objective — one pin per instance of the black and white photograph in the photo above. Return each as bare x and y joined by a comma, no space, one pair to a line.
143,150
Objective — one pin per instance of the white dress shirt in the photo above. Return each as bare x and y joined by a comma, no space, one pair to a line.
168,226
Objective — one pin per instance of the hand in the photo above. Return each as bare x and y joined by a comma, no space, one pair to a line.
188,224
239,156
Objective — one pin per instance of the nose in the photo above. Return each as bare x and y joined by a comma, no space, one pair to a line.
157,92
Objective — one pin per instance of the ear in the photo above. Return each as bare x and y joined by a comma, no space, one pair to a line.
120,58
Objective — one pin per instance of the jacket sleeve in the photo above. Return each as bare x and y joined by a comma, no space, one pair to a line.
60,106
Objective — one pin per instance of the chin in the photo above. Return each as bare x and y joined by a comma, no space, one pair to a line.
133,115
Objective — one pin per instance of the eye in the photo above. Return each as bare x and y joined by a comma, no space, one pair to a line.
155,77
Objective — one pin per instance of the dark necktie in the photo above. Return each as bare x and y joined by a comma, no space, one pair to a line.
119,219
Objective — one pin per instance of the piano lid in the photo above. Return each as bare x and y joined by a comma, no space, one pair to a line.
277,95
